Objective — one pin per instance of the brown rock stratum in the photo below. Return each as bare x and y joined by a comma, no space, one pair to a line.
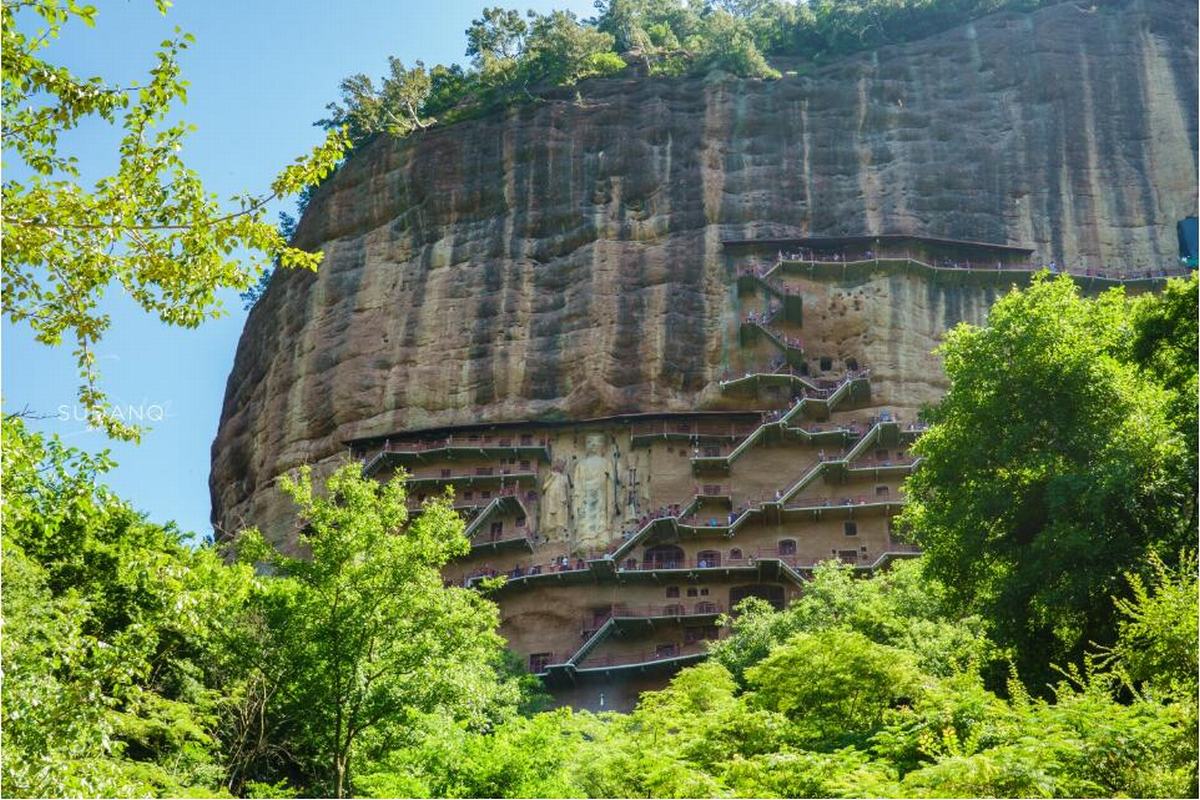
563,260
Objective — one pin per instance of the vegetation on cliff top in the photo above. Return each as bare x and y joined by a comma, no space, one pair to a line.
135,665
515,57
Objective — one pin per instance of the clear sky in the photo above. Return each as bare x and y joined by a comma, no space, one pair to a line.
261,72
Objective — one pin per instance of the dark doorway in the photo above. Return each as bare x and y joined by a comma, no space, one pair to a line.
773,594
664,556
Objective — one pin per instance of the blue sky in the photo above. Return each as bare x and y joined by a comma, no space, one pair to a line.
261,72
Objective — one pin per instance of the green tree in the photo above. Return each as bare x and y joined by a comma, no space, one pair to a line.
561,51
150,227
727,43
1166,338
395,108
117,636
496,43
364,633
1052,467
1156,647
900,607
835,684
250,297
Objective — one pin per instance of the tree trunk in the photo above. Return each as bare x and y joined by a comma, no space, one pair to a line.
340,787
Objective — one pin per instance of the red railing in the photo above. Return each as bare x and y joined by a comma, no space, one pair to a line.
485,496
465,441
767,553
676,609
539,662
478,472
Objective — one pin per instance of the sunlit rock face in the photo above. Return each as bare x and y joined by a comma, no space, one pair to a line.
563,259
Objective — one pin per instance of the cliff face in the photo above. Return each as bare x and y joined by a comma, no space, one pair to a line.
563,259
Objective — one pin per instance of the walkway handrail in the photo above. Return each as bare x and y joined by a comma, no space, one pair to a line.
778,287
494,505
645,657
1122,276
677,609
480,472
805,503
780,340
781,421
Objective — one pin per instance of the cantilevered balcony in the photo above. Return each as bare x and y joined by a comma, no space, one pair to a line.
520,447
674,654
479,476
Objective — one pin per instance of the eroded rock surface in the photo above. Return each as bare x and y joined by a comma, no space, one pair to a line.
564,260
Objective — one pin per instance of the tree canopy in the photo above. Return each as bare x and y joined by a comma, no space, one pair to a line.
827,710
136,663
1055,463
367,636
212,679
513,57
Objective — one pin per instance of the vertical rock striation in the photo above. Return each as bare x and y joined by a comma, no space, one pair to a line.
563,259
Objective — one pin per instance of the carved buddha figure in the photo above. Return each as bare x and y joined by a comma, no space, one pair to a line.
591,493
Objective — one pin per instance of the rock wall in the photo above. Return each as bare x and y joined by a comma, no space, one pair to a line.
563,260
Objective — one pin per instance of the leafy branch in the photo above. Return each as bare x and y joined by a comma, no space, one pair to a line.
150,228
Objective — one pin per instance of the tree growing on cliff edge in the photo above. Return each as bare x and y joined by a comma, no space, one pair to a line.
365,638
1054,465
149,228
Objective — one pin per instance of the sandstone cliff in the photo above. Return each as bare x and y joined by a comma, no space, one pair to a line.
563,259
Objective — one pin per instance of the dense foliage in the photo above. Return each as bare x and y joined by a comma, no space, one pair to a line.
150,228
841,697
136,663
515,57
1061,457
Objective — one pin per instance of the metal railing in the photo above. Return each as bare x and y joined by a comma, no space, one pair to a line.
690,429
462,502
520,534
676,609
479,472
1116,274
466,442
802,503
869,463
780,339
775,285
753,557
660,653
